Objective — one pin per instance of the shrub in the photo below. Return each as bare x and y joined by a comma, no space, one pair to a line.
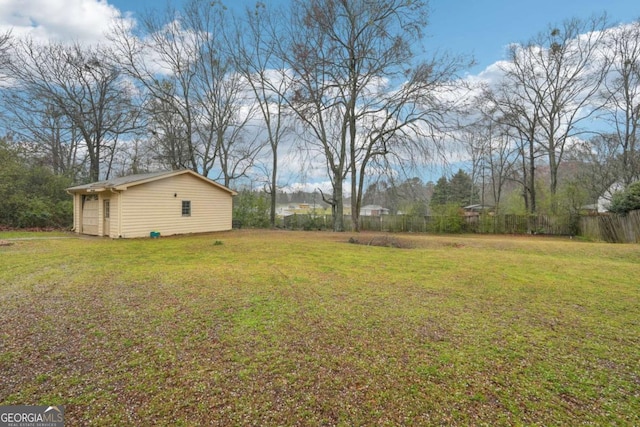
31,195
34,212
251,209
623,202
447,219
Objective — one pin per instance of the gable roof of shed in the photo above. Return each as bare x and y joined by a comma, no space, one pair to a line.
122,183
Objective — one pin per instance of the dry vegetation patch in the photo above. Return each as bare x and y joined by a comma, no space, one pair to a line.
387,241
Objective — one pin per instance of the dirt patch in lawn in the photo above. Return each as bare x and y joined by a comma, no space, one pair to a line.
383,241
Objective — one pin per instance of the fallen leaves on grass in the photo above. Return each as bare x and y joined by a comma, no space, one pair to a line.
283,328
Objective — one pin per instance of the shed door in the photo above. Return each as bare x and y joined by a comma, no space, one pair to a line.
90,215
106,212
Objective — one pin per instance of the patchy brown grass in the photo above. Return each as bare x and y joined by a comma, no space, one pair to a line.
383,240
299,328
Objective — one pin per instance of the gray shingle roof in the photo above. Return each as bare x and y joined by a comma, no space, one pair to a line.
115,182
124,182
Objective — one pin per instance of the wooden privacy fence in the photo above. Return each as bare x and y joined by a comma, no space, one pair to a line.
612,228
494,224
609,227
485,223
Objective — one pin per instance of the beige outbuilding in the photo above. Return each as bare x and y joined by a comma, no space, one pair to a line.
166,203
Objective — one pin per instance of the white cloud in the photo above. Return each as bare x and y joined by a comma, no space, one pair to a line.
311,187
85,21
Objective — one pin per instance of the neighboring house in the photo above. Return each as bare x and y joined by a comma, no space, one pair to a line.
373,210
169,202
605,199
302,209
475,210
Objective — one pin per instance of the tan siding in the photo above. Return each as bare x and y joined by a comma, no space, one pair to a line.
100,215
77,213
115,217
157,206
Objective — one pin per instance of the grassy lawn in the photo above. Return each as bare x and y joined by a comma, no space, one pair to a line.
17,234
304,328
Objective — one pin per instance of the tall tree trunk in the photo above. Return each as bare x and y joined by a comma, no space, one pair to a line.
338,218
274,193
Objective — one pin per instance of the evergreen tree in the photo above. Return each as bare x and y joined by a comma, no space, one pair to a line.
441,192
462,190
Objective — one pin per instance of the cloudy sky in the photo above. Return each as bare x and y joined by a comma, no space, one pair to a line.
481,28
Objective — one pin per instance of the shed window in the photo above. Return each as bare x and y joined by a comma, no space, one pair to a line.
107,209
186,208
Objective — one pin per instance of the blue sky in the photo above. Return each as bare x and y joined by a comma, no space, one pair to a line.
481,28
484,27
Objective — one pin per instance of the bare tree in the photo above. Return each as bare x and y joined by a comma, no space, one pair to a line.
509,109
500,158
167,135
77,88
493,154
182,62
601,163
41,126
263,70
359,90
51,135
225,105
134,156
621,91
553,79
5,45
162,60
